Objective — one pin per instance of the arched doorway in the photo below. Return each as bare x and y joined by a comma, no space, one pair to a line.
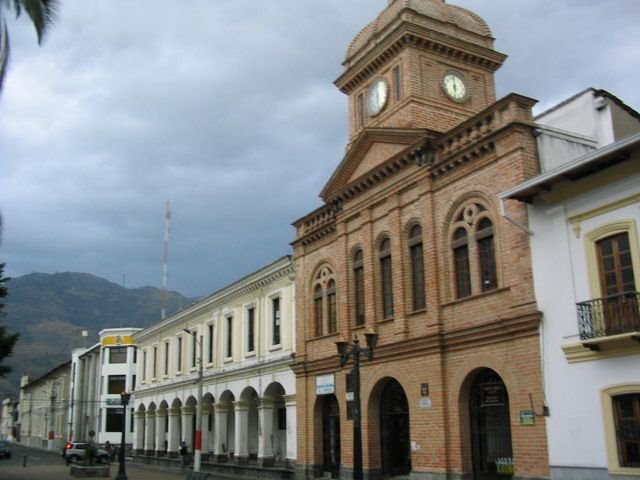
331,435
394,430
491,450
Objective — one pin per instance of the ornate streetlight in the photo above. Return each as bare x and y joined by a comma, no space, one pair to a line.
344,353
197,448
124,399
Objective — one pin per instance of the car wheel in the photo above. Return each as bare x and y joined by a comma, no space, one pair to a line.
103,459
74,459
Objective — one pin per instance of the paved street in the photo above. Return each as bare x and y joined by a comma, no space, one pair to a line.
49,465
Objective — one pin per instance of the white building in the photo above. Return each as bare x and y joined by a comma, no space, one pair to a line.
9,427
244,336
584,214
44,406
99,375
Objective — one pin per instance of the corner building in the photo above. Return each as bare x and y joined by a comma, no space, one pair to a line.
412,243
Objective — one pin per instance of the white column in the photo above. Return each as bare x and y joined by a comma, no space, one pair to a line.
265,443
206,435
241,410
220,427
150,432
161,418
290,404
174,431
139,439
187,426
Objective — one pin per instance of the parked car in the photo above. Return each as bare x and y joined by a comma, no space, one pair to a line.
5,449
74,452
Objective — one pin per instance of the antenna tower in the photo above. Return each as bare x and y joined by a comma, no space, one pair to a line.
165,265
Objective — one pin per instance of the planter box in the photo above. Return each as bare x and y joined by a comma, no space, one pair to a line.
89,471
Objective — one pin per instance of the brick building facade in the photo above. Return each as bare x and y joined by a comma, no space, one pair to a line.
413,244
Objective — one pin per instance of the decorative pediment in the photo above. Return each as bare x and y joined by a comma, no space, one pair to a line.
372,148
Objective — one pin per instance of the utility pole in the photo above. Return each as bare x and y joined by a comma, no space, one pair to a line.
165,264
51,434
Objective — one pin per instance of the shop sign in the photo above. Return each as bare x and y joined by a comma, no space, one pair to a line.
527,417
325,384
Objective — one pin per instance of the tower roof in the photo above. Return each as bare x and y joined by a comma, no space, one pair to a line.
449,16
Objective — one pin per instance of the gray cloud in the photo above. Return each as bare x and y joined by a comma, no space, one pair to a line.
228,108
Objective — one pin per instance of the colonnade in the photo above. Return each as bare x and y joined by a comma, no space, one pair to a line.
251,430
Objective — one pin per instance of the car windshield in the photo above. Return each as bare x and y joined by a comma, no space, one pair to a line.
4,444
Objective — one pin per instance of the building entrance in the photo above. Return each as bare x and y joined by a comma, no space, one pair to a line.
490,427
331,436
394,430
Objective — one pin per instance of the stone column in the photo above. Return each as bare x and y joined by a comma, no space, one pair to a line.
241,410
292,453
265,438
206,435
174,432
150,433
187,426
138,446
161,418
220,437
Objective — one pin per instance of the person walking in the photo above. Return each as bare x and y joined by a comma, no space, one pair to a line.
184,452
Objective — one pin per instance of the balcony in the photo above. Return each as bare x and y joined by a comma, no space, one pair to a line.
608,317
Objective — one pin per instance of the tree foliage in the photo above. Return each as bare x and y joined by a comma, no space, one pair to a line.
42,14
7,340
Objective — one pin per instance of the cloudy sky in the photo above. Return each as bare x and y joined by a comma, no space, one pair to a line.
228,109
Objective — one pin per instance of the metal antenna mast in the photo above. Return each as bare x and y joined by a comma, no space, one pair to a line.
165,266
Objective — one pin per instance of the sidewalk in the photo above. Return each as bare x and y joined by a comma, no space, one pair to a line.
61,472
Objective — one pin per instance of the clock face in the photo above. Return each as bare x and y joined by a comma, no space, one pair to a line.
454,87
377,96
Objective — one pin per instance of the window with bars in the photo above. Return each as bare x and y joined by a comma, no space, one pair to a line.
358,287
417,268
386,286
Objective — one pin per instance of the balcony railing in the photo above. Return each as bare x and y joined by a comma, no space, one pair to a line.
611,315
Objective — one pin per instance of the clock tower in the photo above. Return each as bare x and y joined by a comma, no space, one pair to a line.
420,64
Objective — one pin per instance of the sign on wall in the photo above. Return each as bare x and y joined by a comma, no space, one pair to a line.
325,384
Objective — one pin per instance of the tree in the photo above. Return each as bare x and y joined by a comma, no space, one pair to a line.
42,13
7,340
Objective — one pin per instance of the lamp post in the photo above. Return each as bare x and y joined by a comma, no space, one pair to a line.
197,448
124,399
344,353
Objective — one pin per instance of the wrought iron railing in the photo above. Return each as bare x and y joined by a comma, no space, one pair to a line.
611,315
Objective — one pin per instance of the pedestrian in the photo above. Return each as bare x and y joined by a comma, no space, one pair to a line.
184,452
109,449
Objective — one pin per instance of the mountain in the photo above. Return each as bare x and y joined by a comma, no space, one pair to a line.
50,311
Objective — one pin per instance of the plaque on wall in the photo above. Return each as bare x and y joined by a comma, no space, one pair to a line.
493,395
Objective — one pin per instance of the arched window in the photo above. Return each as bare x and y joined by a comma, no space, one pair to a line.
460,248
417,268
486,255
325,309
386,285
358,287
473,251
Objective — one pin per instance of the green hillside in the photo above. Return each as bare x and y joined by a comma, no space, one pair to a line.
50,311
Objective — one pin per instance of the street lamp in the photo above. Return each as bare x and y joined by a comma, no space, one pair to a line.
344,353
197,448
124,399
